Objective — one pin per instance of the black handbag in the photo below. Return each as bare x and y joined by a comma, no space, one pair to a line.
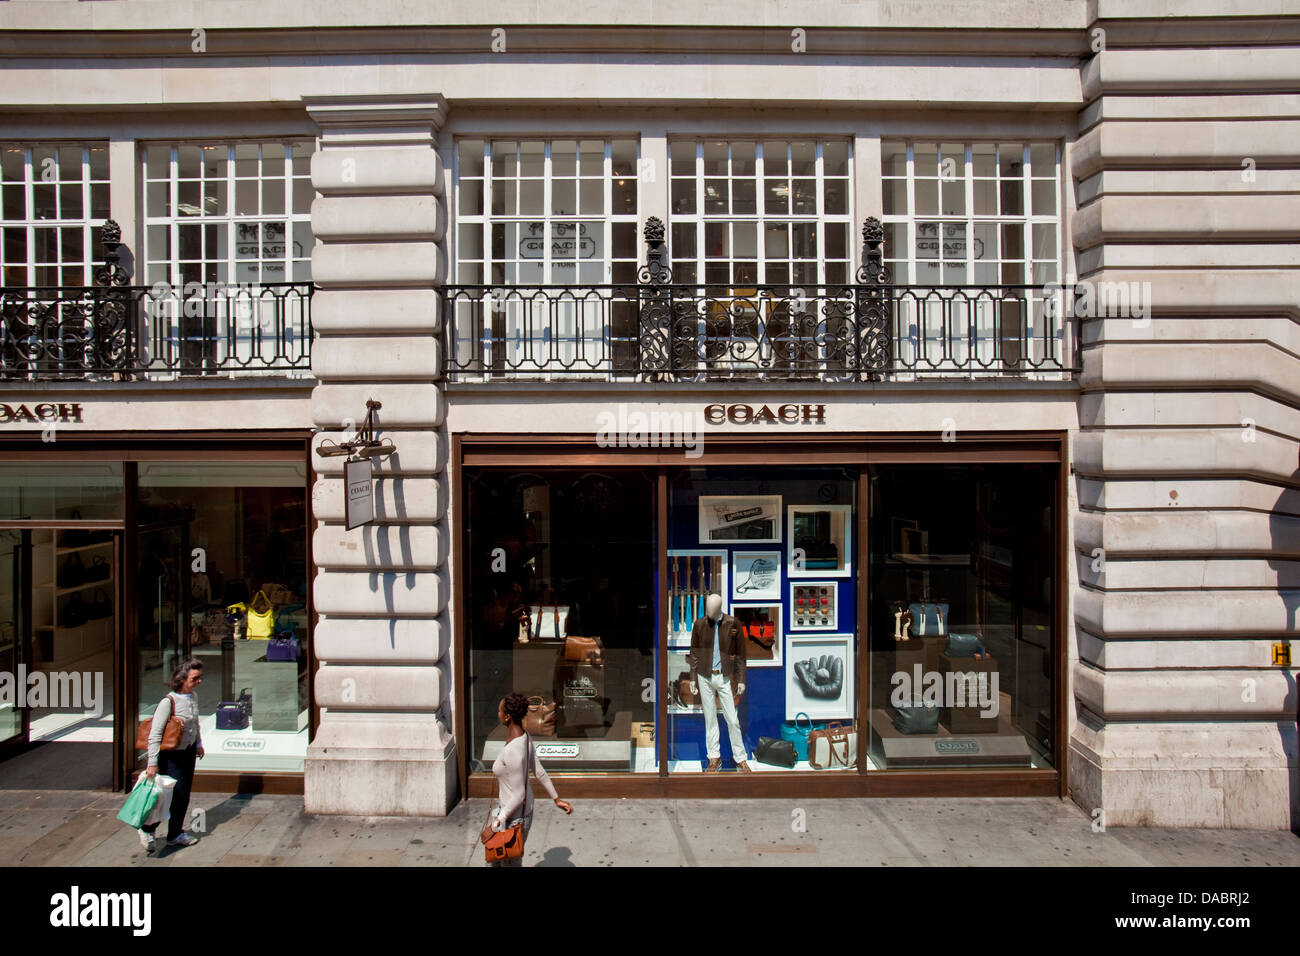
916,719
99,570
74,612
775,751
100,606
236,714
72,573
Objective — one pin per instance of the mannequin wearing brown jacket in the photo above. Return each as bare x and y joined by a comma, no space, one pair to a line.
718,676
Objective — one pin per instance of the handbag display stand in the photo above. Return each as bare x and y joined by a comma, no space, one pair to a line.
612,749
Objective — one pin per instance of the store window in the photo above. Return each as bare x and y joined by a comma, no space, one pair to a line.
215,535
561,583
55,491
752,212
230,224
775,683
973,216
962,616
53,199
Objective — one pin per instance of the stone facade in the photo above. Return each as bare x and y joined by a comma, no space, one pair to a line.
1181,145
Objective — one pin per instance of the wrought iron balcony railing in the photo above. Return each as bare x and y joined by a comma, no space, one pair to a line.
692,333
117,331
656,330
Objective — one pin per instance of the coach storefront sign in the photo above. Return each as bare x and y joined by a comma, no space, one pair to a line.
45,413
786,414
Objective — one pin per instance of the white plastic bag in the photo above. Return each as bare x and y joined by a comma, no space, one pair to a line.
161,811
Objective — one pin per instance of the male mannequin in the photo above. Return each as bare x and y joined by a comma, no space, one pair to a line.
717,660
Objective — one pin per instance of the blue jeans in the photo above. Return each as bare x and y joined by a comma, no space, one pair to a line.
179,765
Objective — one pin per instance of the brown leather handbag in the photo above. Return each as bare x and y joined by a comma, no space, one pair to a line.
583,650
540,719
833,745
684,693
171,738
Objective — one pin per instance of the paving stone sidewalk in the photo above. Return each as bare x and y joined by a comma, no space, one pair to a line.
80,828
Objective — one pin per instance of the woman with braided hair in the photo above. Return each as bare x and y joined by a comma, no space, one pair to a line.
514,803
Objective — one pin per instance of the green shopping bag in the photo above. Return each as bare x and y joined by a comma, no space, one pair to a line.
138,803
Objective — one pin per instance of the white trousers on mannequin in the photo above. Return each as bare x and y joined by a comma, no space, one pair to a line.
713,690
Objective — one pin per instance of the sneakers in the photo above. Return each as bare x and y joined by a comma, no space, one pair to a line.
744,767
183,840
147,841
715,764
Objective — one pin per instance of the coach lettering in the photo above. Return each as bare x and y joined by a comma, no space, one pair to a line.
787,414
44,412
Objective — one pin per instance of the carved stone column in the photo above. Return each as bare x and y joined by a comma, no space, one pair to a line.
383,745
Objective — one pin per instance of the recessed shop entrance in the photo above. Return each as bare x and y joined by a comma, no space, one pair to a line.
60,654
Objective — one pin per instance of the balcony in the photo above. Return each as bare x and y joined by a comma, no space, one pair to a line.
118,332
658,331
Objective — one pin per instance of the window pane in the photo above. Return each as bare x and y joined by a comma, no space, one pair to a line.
245,196
715,159
189,199
927,240
623,240
683,241
715,196
742,159
837,240
986,197
803,237
303,195
273,196
157,199
776,196
984,159
623,157
470,242
745,240
70,201
776,161
925,159
564,196
593,197
1044,197
1013,197
805,196
43,201
302,153
1011,157
1044,235
954,197
592,157
246,164
13,162
776,241
893,159
564,158
1013,241
99,206
743,200
836,199
623,195
682,156
715,240
469,156
504,199
803,159
1042,158
835,159
273,160
190,160
504,162
684,196
895,198
927,197
532,197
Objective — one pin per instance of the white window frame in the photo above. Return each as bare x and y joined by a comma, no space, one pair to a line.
737,355
239,303
920,342
582,330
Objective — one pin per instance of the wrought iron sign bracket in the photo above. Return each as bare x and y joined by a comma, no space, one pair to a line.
365,445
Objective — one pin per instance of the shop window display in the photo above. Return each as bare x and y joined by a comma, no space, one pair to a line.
223,576
761,657
562,609
962,616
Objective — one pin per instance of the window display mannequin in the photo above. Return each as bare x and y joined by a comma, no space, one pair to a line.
717,661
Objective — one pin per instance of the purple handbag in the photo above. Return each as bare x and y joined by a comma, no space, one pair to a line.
282,647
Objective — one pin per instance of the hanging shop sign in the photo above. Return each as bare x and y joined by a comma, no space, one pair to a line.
43,414
1282,655
359,478
787,414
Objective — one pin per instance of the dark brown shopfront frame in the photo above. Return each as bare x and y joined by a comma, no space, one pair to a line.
129,448
560,451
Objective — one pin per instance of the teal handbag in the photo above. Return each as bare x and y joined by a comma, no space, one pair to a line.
798,735
139,803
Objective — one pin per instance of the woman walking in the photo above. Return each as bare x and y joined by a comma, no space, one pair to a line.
514,804
179,763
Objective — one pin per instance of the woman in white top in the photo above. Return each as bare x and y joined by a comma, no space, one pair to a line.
178,764
514,802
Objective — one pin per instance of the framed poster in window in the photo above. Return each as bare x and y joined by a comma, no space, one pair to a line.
757,576
820,541
819,677
740,519
761,625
